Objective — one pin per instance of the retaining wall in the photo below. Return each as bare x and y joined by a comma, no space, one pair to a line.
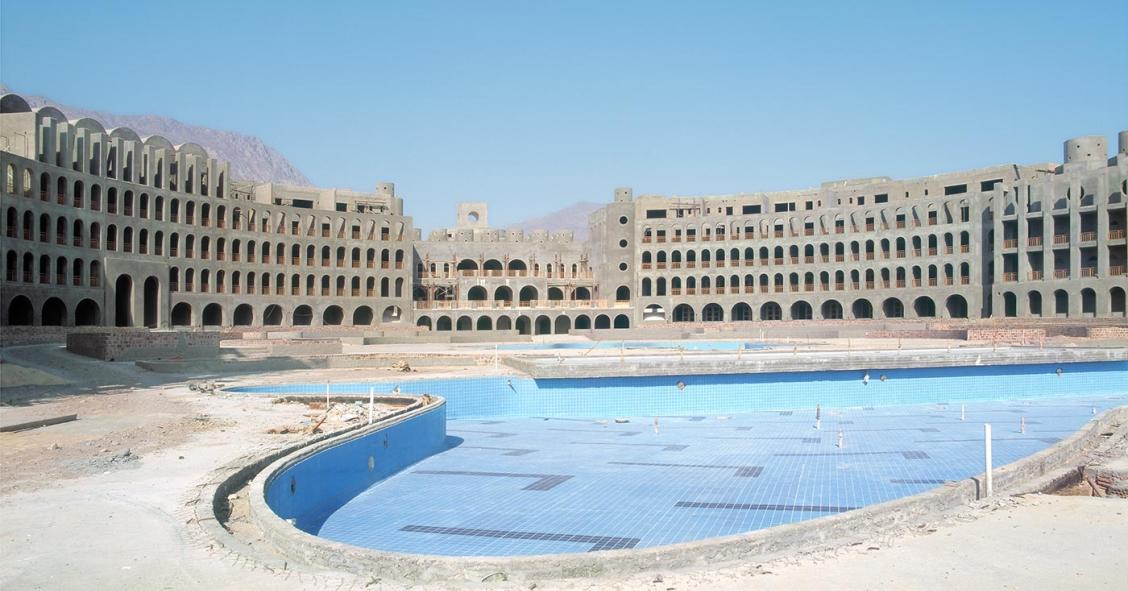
138,344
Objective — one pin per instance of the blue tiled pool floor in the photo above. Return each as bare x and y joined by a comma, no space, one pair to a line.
520,486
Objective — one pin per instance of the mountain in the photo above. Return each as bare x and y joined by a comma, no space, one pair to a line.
574,218
250,158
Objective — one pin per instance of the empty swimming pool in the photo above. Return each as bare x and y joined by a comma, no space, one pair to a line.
543,466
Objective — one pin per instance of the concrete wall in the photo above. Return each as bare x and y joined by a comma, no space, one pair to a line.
141,344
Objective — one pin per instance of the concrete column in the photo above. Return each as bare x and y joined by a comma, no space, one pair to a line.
1023,256
999,206
1075,231
1047,238
1102,234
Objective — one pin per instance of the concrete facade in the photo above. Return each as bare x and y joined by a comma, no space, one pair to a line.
105,228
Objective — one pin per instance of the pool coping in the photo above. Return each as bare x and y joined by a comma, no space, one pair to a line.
811,535
712,363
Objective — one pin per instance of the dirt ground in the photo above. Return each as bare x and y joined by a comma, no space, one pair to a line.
101,502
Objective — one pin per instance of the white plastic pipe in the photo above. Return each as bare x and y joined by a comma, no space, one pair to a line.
987,484
326,396
371,403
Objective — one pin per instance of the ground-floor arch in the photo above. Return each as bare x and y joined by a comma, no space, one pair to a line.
182,314
893,308
956,306
924,307
303,316
88,313
54,313
272,316
244,315
362,316
213,315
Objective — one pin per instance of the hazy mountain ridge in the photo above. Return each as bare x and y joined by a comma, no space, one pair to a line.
250,158
573,217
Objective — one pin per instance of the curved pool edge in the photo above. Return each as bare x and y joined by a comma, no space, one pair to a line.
805,536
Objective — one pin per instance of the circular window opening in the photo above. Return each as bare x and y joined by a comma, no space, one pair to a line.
622,244
472,216
622,266
623,220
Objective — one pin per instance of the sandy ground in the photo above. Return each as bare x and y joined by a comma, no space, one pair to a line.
77,512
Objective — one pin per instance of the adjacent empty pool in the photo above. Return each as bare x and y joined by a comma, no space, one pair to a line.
637,345
561,466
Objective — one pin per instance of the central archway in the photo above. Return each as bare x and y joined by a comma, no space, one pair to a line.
123,301
152,299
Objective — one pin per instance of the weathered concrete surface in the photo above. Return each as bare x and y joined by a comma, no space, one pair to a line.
777,360
1033,543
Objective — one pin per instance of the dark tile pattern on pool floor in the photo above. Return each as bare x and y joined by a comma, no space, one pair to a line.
540,481
597,542
685,478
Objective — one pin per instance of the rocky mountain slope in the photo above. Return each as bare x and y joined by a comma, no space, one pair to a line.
250,158
573,217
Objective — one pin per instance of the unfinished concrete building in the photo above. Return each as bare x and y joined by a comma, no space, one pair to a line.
103,227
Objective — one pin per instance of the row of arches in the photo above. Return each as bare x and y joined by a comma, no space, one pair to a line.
856,279
955,306
506,267
1088,302
191,280
53,312
917,246
212,314
57,270
925,213
203,213
523,324
78,233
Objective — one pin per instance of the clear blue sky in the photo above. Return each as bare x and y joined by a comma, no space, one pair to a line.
533,106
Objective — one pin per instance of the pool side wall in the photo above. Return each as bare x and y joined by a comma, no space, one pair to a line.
648,396
310,485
